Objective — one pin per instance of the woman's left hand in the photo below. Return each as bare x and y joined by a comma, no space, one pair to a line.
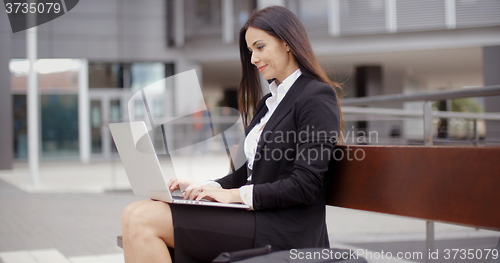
220,195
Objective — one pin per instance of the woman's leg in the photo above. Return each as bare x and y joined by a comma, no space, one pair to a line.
127,247
149,229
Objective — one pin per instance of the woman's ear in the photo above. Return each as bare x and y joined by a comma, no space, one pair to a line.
286,45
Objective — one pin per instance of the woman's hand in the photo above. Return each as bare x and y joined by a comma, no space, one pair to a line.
179,184
190,189
196,191
220,195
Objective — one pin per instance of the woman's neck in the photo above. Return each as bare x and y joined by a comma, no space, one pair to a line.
289,73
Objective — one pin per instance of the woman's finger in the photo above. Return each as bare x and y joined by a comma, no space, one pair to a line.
170,182
205,195
173,185
185,193
195,192
184,183
200,196
191,191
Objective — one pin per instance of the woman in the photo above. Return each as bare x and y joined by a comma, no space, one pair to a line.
287,147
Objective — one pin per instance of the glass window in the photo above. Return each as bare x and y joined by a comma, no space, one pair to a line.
54,75
107,75
115,113
203,18
58,88
207,13
20,126
143,74
59,119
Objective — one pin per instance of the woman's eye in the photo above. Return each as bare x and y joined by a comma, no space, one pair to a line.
260,47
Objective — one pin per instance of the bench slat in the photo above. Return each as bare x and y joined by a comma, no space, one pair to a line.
449,184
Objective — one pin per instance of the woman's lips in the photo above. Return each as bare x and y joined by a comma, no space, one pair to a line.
262,68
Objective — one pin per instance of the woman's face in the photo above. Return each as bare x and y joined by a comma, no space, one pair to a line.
270,55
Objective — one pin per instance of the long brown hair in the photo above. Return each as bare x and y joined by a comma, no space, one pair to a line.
281,23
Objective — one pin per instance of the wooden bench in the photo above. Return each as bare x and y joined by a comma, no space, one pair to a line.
458,185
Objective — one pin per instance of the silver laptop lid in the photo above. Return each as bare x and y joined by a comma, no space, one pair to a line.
139,160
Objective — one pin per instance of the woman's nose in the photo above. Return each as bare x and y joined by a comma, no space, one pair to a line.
255,59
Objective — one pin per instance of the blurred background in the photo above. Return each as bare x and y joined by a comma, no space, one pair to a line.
93,59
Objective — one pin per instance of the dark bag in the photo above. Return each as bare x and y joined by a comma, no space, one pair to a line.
242,254
308,255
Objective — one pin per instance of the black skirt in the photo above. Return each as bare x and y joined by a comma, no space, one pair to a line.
201,233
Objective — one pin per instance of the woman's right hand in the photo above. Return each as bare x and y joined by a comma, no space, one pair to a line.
190,189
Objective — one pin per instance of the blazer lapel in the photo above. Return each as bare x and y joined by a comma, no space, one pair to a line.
258,115
283,109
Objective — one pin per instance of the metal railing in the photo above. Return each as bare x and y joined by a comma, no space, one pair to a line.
427,112
425,96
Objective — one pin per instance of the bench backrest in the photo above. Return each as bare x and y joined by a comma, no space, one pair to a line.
449,184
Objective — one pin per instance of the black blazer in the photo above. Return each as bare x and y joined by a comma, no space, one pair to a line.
291,161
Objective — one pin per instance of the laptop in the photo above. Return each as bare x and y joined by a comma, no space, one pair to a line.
143,167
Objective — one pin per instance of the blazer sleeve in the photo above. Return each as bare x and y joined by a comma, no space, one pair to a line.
239,176
318,123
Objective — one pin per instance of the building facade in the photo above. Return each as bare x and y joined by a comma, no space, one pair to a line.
112,48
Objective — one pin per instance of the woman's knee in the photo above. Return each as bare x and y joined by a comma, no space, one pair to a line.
128,210
153,216
149,221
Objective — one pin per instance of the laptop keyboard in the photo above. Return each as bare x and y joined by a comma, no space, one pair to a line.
176,197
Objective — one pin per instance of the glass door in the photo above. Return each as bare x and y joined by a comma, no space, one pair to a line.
105,108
